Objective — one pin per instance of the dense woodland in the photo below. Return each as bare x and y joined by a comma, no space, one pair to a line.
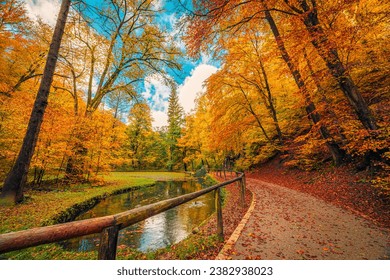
305,79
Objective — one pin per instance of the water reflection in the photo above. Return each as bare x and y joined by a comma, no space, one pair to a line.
159,231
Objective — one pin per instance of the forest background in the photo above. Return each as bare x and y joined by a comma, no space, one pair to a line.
305,80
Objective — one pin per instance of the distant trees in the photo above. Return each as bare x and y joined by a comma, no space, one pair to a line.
140,136
175,125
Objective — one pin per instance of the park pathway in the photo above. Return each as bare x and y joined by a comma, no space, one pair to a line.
286,224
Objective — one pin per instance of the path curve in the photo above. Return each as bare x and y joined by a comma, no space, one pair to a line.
287,224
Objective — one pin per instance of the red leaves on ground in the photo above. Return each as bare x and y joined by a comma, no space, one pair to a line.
340,186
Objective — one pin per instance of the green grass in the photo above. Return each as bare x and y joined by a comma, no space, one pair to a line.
193,247
157,176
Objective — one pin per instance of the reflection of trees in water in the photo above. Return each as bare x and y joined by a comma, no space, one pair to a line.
172,227
128,200
190,186
131,236
156,232
86,245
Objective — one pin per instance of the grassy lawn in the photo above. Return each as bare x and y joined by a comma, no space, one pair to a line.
157,176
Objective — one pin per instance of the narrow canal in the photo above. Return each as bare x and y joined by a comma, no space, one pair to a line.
157,232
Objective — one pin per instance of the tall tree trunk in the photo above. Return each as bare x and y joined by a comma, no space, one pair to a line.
333,147
253,113
328,106
330,55
16,179
271,106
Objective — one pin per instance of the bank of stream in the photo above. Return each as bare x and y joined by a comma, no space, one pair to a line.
157,232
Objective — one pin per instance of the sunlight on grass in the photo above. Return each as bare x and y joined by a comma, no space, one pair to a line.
130,176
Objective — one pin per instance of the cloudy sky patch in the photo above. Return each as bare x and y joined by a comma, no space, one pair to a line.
194,85
47,10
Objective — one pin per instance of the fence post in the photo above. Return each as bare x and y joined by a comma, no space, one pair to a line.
108,243
242,192
218,206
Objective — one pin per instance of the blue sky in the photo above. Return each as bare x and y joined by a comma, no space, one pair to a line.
189,80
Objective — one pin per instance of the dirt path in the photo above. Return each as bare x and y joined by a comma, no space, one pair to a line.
287,224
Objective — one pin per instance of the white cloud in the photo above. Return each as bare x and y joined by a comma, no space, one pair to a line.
158,94
47,10
158,4
193,85
160,118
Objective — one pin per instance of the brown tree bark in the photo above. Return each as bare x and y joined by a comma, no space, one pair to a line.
335,150
270,105
328,105
329,54
14,183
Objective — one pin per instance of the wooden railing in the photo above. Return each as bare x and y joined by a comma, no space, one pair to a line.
109,226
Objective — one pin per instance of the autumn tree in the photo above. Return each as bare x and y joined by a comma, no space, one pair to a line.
191,143
12,16
214,20
308,13
140,135
199,144
245,67
22,53
13,186
130,47
327,47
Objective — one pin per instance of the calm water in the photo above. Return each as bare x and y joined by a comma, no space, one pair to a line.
158,231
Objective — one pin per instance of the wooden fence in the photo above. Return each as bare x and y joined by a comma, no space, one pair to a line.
109,226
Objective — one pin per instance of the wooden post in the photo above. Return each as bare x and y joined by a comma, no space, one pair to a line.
108,243
224,173
218,206
242,192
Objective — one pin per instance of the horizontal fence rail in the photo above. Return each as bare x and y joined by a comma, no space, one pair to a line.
109,226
